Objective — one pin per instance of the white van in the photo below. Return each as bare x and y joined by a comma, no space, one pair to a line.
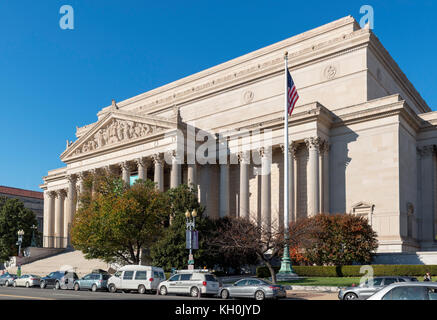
136,278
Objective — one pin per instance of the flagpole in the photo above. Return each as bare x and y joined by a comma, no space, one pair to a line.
286,270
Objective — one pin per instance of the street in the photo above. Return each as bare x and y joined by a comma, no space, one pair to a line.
11,293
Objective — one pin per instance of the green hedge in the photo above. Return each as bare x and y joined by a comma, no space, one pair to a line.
354,271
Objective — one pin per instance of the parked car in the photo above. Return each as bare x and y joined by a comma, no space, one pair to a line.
59,280
407,291
93,282
191,282
26,280
252,288
366,289
51,280
136,278
7,279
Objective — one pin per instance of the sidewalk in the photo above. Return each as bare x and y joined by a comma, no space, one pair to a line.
311,295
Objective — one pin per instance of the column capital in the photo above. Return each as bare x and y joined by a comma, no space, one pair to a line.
244,157
174,155
157,158
61,193
292,148
313,143
51,194
124,165
71,178
143,162
324,147
426,150
265,152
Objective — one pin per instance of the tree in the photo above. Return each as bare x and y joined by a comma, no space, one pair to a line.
116,222
302,235
170,251
244,237
341,240
13,217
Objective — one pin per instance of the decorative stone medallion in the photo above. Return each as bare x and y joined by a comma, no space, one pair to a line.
330,72
248,96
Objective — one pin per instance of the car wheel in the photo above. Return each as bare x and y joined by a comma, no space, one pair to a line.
57,285
194,292
27,285
224,294
350,296
76,287
7,284
141,289
42,285
112,288
14,284
259,295
163,291
94,288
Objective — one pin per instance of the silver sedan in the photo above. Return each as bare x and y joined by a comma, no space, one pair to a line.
7,279
252,288
27,280
370,286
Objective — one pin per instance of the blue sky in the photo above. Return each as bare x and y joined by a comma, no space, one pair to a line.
52,80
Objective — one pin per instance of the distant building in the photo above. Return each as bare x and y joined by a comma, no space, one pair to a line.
32,200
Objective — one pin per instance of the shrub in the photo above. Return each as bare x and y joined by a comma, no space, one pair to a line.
341,239
354,270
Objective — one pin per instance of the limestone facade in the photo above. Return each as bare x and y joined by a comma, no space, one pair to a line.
363,141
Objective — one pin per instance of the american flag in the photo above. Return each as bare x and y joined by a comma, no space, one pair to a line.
292,93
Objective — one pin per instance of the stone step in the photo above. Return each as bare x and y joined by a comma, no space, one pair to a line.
70,260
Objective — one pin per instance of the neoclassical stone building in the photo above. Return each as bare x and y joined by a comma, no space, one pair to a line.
363,141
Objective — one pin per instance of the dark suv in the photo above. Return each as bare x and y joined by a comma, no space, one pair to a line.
59,280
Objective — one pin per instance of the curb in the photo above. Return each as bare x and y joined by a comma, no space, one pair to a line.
313,288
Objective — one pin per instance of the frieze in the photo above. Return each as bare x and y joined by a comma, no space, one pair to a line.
115,132
254,68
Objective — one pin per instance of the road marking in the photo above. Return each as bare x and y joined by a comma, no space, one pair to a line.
25,297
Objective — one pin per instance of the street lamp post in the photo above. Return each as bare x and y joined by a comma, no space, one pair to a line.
20,234
190,227
33,243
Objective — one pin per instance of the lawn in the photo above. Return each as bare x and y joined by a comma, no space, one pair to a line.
324,281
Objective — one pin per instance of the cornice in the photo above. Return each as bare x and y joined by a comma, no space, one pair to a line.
278,46
398,75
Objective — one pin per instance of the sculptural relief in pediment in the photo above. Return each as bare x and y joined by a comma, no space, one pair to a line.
117,131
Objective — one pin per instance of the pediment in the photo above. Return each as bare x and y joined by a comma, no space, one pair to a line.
362,208
117,128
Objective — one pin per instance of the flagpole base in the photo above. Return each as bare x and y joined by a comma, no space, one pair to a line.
286,272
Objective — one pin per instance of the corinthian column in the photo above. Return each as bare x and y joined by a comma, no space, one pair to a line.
142,168
49,222
292,149
125,172
175,174
192,175
427,196
266,163
79,188
59,218
244,159
71,207
159,171
324,177
224,190
313,175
